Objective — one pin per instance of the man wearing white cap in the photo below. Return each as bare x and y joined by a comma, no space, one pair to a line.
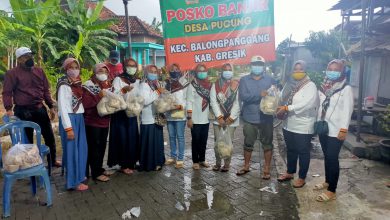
25,89
252,88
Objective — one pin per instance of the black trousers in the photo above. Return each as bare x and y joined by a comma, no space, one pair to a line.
331,147
298,147
40,117
97,142
200,133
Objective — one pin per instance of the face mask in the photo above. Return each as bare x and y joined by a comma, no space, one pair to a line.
175,74
152,76
202,75
131,70
333,75
227,74
29,62
114,62
257,70
101,77
298,75
73,73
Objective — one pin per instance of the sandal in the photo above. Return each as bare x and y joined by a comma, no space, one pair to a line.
195,166
321,186
323,197
82,187
127,171
158,168
266,175
285,177
108,172
299,183
57,164
216,168
204,164
103,178
224,169
242,172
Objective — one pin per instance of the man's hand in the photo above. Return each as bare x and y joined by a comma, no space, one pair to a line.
70,135
10,113
263,93
52,114
190,124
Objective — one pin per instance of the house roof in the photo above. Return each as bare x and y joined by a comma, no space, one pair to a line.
373,44
356,4
137,26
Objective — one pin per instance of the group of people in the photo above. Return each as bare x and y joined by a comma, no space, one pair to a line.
138,143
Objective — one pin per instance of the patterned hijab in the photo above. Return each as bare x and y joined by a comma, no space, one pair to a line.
202,87
293,85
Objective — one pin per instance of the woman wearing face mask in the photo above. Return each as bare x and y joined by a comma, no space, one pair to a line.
198,105
225,105
152,140
300,101
124,137
96,127
177,86
71,125
336,107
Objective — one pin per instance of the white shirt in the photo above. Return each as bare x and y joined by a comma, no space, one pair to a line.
234,113
194,104
147,116
65,105
181,97
118,85
339,112
302,113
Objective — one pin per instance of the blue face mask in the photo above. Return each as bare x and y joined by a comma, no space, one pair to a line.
227,74
257,70
202,75
152,76
333,75
175,74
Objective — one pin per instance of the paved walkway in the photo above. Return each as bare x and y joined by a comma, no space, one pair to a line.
168,194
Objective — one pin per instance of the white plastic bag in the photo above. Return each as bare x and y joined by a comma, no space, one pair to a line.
269,103
224,143
165,103
110,104
22,156
135,104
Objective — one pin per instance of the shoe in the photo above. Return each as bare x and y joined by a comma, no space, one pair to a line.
204,164
179,164
195,166
170,161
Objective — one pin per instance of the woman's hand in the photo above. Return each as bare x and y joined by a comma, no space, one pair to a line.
70,135
342,134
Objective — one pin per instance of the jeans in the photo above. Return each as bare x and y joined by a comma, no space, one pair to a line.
176,132
331,147
200,133
298,147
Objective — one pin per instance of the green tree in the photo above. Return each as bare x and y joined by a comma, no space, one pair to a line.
89,39
324,45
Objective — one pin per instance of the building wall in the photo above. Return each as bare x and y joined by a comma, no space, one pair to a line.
302,53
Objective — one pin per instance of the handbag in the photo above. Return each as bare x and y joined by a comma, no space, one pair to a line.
160,119
321,127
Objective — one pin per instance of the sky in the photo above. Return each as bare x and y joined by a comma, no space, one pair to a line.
292,17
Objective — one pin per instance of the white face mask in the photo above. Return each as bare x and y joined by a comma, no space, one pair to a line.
101,77
131,70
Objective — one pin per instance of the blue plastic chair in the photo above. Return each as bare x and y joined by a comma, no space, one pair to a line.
22,138
16,128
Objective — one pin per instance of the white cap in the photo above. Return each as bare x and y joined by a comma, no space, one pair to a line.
255,59
22,51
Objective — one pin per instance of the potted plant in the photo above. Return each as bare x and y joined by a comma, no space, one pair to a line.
383,120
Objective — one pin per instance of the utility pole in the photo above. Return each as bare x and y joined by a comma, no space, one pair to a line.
361,70
127,27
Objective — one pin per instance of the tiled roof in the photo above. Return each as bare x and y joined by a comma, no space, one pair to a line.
137,26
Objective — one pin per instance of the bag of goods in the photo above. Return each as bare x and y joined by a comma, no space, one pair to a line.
224,143
135,104
110,104
269,103
165,103
22,156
